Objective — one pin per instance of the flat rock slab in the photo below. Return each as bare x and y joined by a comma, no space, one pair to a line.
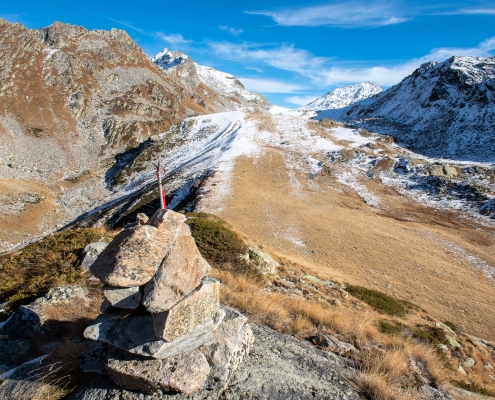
136,335
91,253
179,274
133,256
279,367
184,373
128,298
188,313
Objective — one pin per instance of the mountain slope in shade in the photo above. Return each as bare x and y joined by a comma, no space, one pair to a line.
442,109
232,93
344,96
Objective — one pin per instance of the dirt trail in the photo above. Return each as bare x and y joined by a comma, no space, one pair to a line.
409,251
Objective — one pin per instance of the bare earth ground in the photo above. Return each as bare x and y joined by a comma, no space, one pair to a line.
405,249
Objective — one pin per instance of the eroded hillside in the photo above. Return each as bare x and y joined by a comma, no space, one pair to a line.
71,100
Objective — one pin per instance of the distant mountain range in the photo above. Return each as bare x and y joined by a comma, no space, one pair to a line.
442,109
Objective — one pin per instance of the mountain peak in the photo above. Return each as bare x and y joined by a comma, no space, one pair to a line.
344,96
169,58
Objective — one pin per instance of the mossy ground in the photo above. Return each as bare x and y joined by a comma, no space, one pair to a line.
387,327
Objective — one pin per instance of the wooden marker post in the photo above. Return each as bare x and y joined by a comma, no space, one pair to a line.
163,199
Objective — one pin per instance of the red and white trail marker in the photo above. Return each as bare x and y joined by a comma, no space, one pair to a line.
163,199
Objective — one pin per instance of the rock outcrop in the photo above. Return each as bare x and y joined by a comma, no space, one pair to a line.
175,338
279,367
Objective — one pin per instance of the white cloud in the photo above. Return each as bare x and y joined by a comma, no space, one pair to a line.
233,31
284,57
270,86
469,11
174,39
345,14
300,100
129,25
320,73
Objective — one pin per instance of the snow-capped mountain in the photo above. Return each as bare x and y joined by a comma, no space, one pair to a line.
231,90
166,59
442,109
344,96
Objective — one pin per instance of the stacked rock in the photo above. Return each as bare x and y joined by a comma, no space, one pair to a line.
162,323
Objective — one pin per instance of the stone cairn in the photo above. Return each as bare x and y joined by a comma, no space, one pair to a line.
162,327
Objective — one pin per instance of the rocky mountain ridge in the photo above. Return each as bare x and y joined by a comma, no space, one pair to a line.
444,109
232,92
73,104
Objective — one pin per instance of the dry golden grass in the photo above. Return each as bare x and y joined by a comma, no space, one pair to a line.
263,122
376,387
393,370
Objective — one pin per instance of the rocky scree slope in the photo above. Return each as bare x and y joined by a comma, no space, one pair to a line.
441,110
344,96
232,93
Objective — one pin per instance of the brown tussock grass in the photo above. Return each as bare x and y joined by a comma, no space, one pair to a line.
263,122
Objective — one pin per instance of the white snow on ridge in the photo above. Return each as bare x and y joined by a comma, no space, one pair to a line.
224,83
344,96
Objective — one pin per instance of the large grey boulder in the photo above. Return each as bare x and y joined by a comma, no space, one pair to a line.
265,263
180,272
279,367
188,313
128,298
91,253
229,344
133,256
135,334
184,373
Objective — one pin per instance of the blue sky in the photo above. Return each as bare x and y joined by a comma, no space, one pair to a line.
290,51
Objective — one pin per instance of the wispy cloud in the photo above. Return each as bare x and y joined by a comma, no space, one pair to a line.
300,100
174,39
469,11
270,86
233,31
129,25
371,13
344,14
321,73
284,57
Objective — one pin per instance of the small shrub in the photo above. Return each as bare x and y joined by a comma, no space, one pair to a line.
475,388
387,327
452,326
219,245
381,302
430,334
